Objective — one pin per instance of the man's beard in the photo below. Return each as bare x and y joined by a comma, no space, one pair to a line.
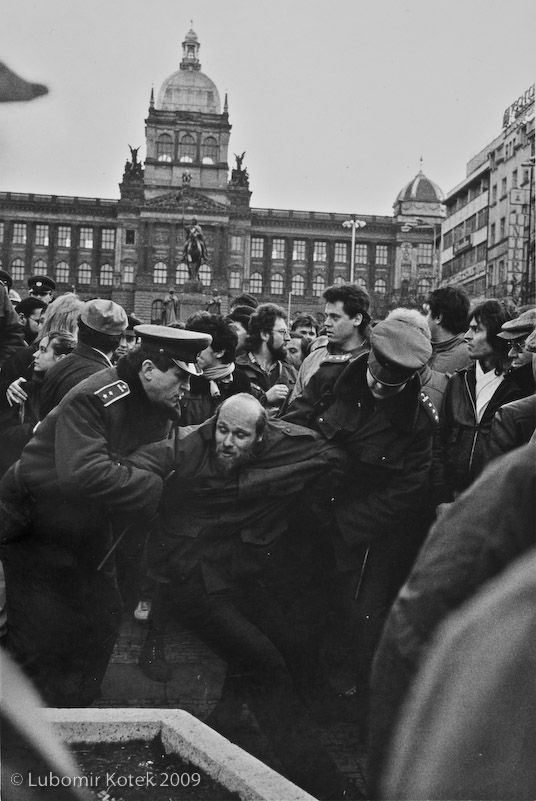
280,354
231,465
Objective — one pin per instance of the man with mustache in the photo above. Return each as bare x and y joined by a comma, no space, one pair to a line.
264,362
64,607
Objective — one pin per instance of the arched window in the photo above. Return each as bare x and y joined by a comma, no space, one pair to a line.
339,280
17,270
318,286
40,266
424,286
298,285
205,274
157,307
62,272
234,279
360,281
164,148
276,284
84,273
210,150
128,273
255,283
181,273
380,286
160,273
106,275
187,149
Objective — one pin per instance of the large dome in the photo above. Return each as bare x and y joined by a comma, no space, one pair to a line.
189,91
421,189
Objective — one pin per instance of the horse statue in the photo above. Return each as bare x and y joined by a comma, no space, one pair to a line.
195,250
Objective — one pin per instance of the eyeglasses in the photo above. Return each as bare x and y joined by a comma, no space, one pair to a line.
282,331
518,345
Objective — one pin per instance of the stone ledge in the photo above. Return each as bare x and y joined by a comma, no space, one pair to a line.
185,735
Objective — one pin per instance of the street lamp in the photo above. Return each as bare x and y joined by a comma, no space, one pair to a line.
526,283
354,224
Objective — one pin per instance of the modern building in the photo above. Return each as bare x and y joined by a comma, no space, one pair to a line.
131,249
488,234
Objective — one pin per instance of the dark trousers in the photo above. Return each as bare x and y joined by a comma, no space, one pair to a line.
249,631
62,622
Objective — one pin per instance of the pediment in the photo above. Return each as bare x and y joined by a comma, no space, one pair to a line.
188,200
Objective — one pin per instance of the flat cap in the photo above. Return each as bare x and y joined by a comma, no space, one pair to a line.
530,343
520,326
6,279
104,316
398,350
41,284
180,345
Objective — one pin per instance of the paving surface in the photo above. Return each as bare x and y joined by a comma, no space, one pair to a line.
196,685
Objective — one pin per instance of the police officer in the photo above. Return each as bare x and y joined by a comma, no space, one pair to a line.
378,413
64,608
41,286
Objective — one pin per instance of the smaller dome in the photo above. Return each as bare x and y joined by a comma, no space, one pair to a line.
421,189
191,36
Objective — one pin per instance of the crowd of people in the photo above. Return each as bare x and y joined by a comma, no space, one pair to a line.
270,485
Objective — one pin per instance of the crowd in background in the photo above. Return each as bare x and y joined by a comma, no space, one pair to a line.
352,481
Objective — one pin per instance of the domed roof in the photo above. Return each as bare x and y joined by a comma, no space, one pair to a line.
187,90
421,189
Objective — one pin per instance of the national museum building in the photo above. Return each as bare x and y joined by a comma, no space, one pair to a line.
131,249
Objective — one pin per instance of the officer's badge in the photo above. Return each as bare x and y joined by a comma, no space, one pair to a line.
113,392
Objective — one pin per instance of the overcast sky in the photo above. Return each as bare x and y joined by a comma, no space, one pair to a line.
334,101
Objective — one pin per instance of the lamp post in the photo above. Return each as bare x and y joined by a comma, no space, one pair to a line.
526,282
354,224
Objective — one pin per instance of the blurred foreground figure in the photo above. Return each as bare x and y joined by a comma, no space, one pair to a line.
469,728
13,87
482,533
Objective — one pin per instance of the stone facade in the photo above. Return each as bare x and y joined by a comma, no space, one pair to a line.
131,249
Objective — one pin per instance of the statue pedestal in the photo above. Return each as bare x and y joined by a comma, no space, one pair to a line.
193,286
192,301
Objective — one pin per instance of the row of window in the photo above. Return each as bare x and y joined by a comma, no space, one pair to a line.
63,236
160,274
62,272
473,223
187,152
319,251
298,284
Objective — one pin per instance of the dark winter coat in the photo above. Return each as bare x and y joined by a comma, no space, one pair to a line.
513,426
464,438
389,443
260,381
228,525
483,531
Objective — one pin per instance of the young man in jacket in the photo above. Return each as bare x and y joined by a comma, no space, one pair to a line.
474,394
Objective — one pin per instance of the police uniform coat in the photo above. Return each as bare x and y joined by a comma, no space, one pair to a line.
389,443
64,612
67,373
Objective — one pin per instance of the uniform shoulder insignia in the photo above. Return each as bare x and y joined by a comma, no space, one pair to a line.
113,392
429,408
337,358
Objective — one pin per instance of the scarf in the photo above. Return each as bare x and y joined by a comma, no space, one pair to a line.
222,373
